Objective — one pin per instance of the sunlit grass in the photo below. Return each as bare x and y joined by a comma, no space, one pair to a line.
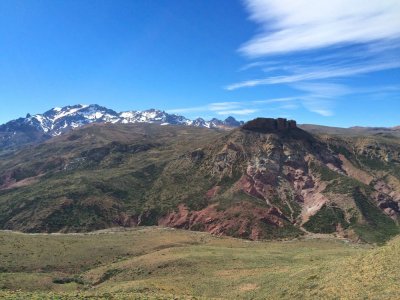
157,263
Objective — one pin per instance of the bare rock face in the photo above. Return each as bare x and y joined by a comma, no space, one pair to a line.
269,125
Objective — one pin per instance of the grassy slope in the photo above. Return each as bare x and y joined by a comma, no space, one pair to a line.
154,262
114,176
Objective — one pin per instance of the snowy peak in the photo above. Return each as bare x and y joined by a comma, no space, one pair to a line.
90,112
152,116
59,120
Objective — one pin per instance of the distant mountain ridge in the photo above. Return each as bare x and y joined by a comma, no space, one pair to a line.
355,130
59,120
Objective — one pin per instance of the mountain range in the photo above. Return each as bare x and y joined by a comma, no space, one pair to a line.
41,127
265,179
59,120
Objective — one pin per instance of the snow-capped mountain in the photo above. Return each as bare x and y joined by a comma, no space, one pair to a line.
59,120
62,119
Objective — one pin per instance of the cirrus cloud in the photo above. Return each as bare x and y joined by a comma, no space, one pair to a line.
288,26
305,44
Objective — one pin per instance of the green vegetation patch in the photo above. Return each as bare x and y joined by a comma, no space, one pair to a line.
373,163
287,231
325,173
377,227
345,185
326,220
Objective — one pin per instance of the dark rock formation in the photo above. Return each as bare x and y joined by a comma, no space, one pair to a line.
269,125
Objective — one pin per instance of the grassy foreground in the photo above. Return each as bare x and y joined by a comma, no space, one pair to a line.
159,263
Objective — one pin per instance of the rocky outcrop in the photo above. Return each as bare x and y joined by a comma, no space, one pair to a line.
233,221
265,125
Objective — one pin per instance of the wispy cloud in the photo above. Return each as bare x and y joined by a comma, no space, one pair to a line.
321,98
306,44
288,26
239,112
276,100
258,64
323,90
318,73
290,106
242,108
219,108
317,97
318,105
188,109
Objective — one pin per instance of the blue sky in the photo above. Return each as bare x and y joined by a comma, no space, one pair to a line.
324,62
